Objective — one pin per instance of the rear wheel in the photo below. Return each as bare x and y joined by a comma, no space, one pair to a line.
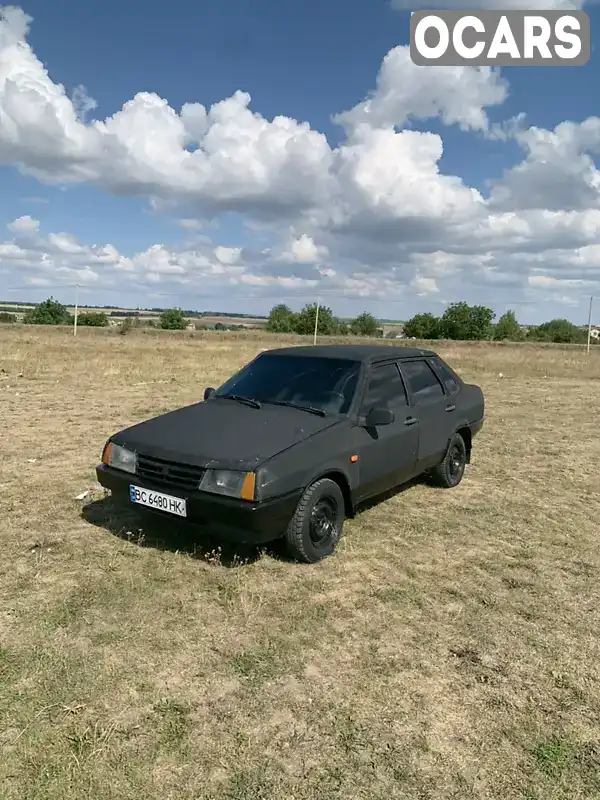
316,526
450,472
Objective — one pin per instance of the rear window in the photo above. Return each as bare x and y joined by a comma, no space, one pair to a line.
447,378
325,383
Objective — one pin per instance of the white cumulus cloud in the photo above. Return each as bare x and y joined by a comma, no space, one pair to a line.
304,250
458,95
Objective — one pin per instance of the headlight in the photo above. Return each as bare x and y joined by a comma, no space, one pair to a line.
227,482
119,457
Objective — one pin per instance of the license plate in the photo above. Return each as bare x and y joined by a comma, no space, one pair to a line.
158,500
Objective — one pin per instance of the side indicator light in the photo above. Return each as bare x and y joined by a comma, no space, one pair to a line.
353,459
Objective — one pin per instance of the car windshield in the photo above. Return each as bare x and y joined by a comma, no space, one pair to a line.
323,384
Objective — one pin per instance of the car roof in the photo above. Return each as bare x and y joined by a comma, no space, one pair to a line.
353,352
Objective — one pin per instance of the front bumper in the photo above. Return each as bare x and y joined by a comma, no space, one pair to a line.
237,520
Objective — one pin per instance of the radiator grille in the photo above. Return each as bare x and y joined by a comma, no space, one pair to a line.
183,476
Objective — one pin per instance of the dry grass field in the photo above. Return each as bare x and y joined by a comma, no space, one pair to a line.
449,649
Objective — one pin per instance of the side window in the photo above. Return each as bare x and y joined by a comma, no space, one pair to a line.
385,388
444,373
422,380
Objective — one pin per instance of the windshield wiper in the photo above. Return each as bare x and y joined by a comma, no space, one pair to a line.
248,401
311,409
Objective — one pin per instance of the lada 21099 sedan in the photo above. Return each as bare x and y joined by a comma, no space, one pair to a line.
293,442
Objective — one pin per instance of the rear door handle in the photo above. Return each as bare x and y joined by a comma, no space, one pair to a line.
411,421
450,408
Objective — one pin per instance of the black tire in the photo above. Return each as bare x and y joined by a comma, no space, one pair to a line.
316,527
450,472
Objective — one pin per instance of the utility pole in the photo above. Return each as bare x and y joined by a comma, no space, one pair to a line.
316,321
589,338
76,309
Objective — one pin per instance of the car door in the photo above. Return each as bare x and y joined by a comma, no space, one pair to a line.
388,453
432,407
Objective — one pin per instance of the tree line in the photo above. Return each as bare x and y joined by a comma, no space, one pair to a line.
460,321
51,312
17,306
283,320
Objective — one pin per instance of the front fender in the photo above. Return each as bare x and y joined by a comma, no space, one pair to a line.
334,467
300,465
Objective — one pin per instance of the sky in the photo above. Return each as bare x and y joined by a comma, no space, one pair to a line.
229,156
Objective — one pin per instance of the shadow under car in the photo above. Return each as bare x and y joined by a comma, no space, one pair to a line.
147,529
204,542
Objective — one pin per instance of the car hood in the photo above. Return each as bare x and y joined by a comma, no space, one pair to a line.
222,433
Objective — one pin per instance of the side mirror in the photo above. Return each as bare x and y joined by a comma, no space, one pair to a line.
379,416
208,392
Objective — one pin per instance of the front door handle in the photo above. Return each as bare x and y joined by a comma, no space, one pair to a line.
411,421
450,408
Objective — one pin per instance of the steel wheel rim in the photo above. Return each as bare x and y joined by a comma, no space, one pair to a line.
322,523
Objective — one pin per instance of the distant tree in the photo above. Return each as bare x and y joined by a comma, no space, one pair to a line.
364,325
50,312
559,331
173,319
5,316
281,320
423,326
94,319
461,321
341,328
328,325
507,327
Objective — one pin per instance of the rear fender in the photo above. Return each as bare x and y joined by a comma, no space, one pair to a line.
465,431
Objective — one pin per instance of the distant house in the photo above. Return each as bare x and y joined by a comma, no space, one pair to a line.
391,330
395,335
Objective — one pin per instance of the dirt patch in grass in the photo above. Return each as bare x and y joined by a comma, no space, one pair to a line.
448,650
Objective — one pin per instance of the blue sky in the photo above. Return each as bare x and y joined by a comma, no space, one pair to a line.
307,61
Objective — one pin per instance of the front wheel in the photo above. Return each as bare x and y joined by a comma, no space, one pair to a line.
450,472
315,528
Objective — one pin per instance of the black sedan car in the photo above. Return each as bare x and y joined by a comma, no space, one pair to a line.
293,442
